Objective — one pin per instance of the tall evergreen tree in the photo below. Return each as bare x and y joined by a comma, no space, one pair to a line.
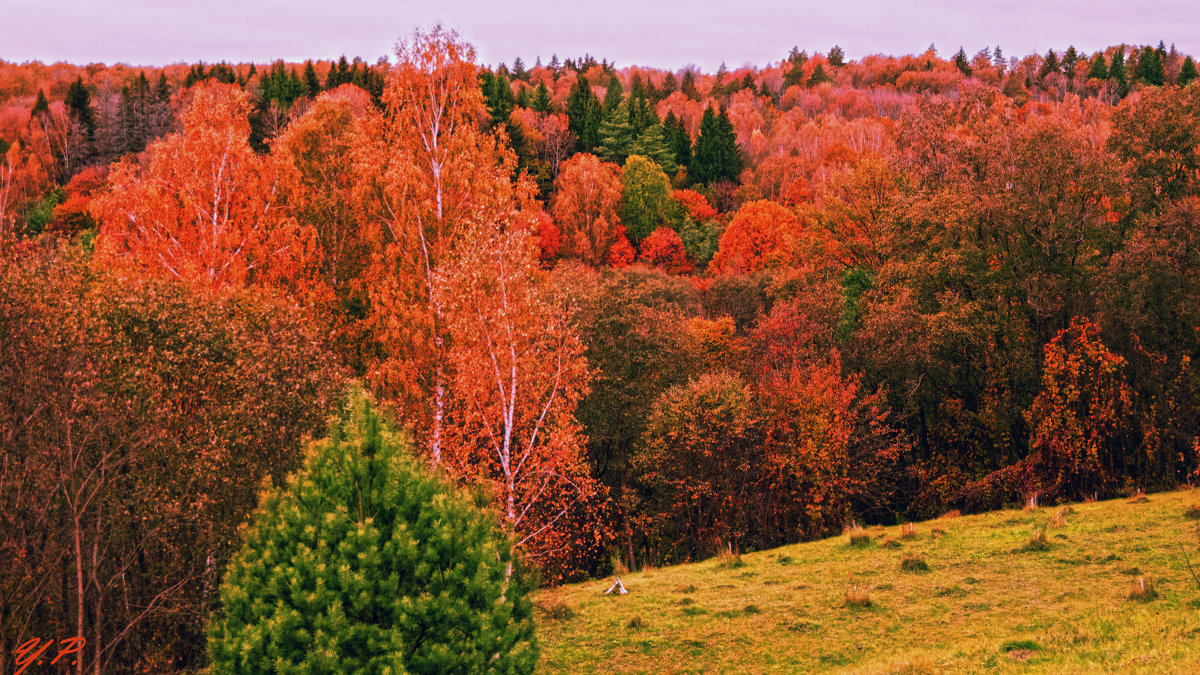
1187,72
584,114
541,99
41,106
364,562
1098,69
518,70
1069,60
614,93
1049,64
500,99
961,62
678,139
79,105
670,85
837,57
652,143
616,135
311,81
1117,72
1150,68
818,76
716,156
688,85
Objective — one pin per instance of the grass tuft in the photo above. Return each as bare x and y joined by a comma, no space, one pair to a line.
555,610
909,531
1138,497
1142,589
1059,519
858,536
954,513
857,597
890,543
635,623
1037,542
913,563
727,559
1192,512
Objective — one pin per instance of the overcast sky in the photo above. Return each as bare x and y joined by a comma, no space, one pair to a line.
671,34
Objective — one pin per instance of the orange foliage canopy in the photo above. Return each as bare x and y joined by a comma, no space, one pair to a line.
762,234
695,203
664,248
199,205
587,199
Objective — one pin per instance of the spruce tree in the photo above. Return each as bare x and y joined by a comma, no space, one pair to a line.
364,562
670,85
541,99
500,99
1150,68
818,76
41,106
616,135
678,139
652,143
1069,60
1098,69
1187,72
961,62
79,105
584,114
837,57
311,81
1117,72
716,156
1049,64
613,94
688,86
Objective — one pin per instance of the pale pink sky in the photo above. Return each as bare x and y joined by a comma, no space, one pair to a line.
664,34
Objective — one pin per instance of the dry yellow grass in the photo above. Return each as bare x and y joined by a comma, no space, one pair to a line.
987,603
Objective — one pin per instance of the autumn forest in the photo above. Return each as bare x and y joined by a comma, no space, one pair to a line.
638,316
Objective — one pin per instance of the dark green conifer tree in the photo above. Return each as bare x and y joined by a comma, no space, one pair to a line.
837,57
1117,72
584,114
716,156
311,81
678,139
1187,72
1150,68
1069,60
614,93
1049,64
688,86
1098,69
41,106
670,85
79,106
962,62
818,76
616,135
365,562
541,99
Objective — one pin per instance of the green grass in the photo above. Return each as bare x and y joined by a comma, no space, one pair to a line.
990,601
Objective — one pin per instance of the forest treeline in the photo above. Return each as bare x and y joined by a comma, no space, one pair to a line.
652,314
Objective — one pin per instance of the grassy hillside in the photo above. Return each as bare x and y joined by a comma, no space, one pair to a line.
991,599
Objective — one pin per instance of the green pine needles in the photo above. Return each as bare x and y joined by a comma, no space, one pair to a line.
365,563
